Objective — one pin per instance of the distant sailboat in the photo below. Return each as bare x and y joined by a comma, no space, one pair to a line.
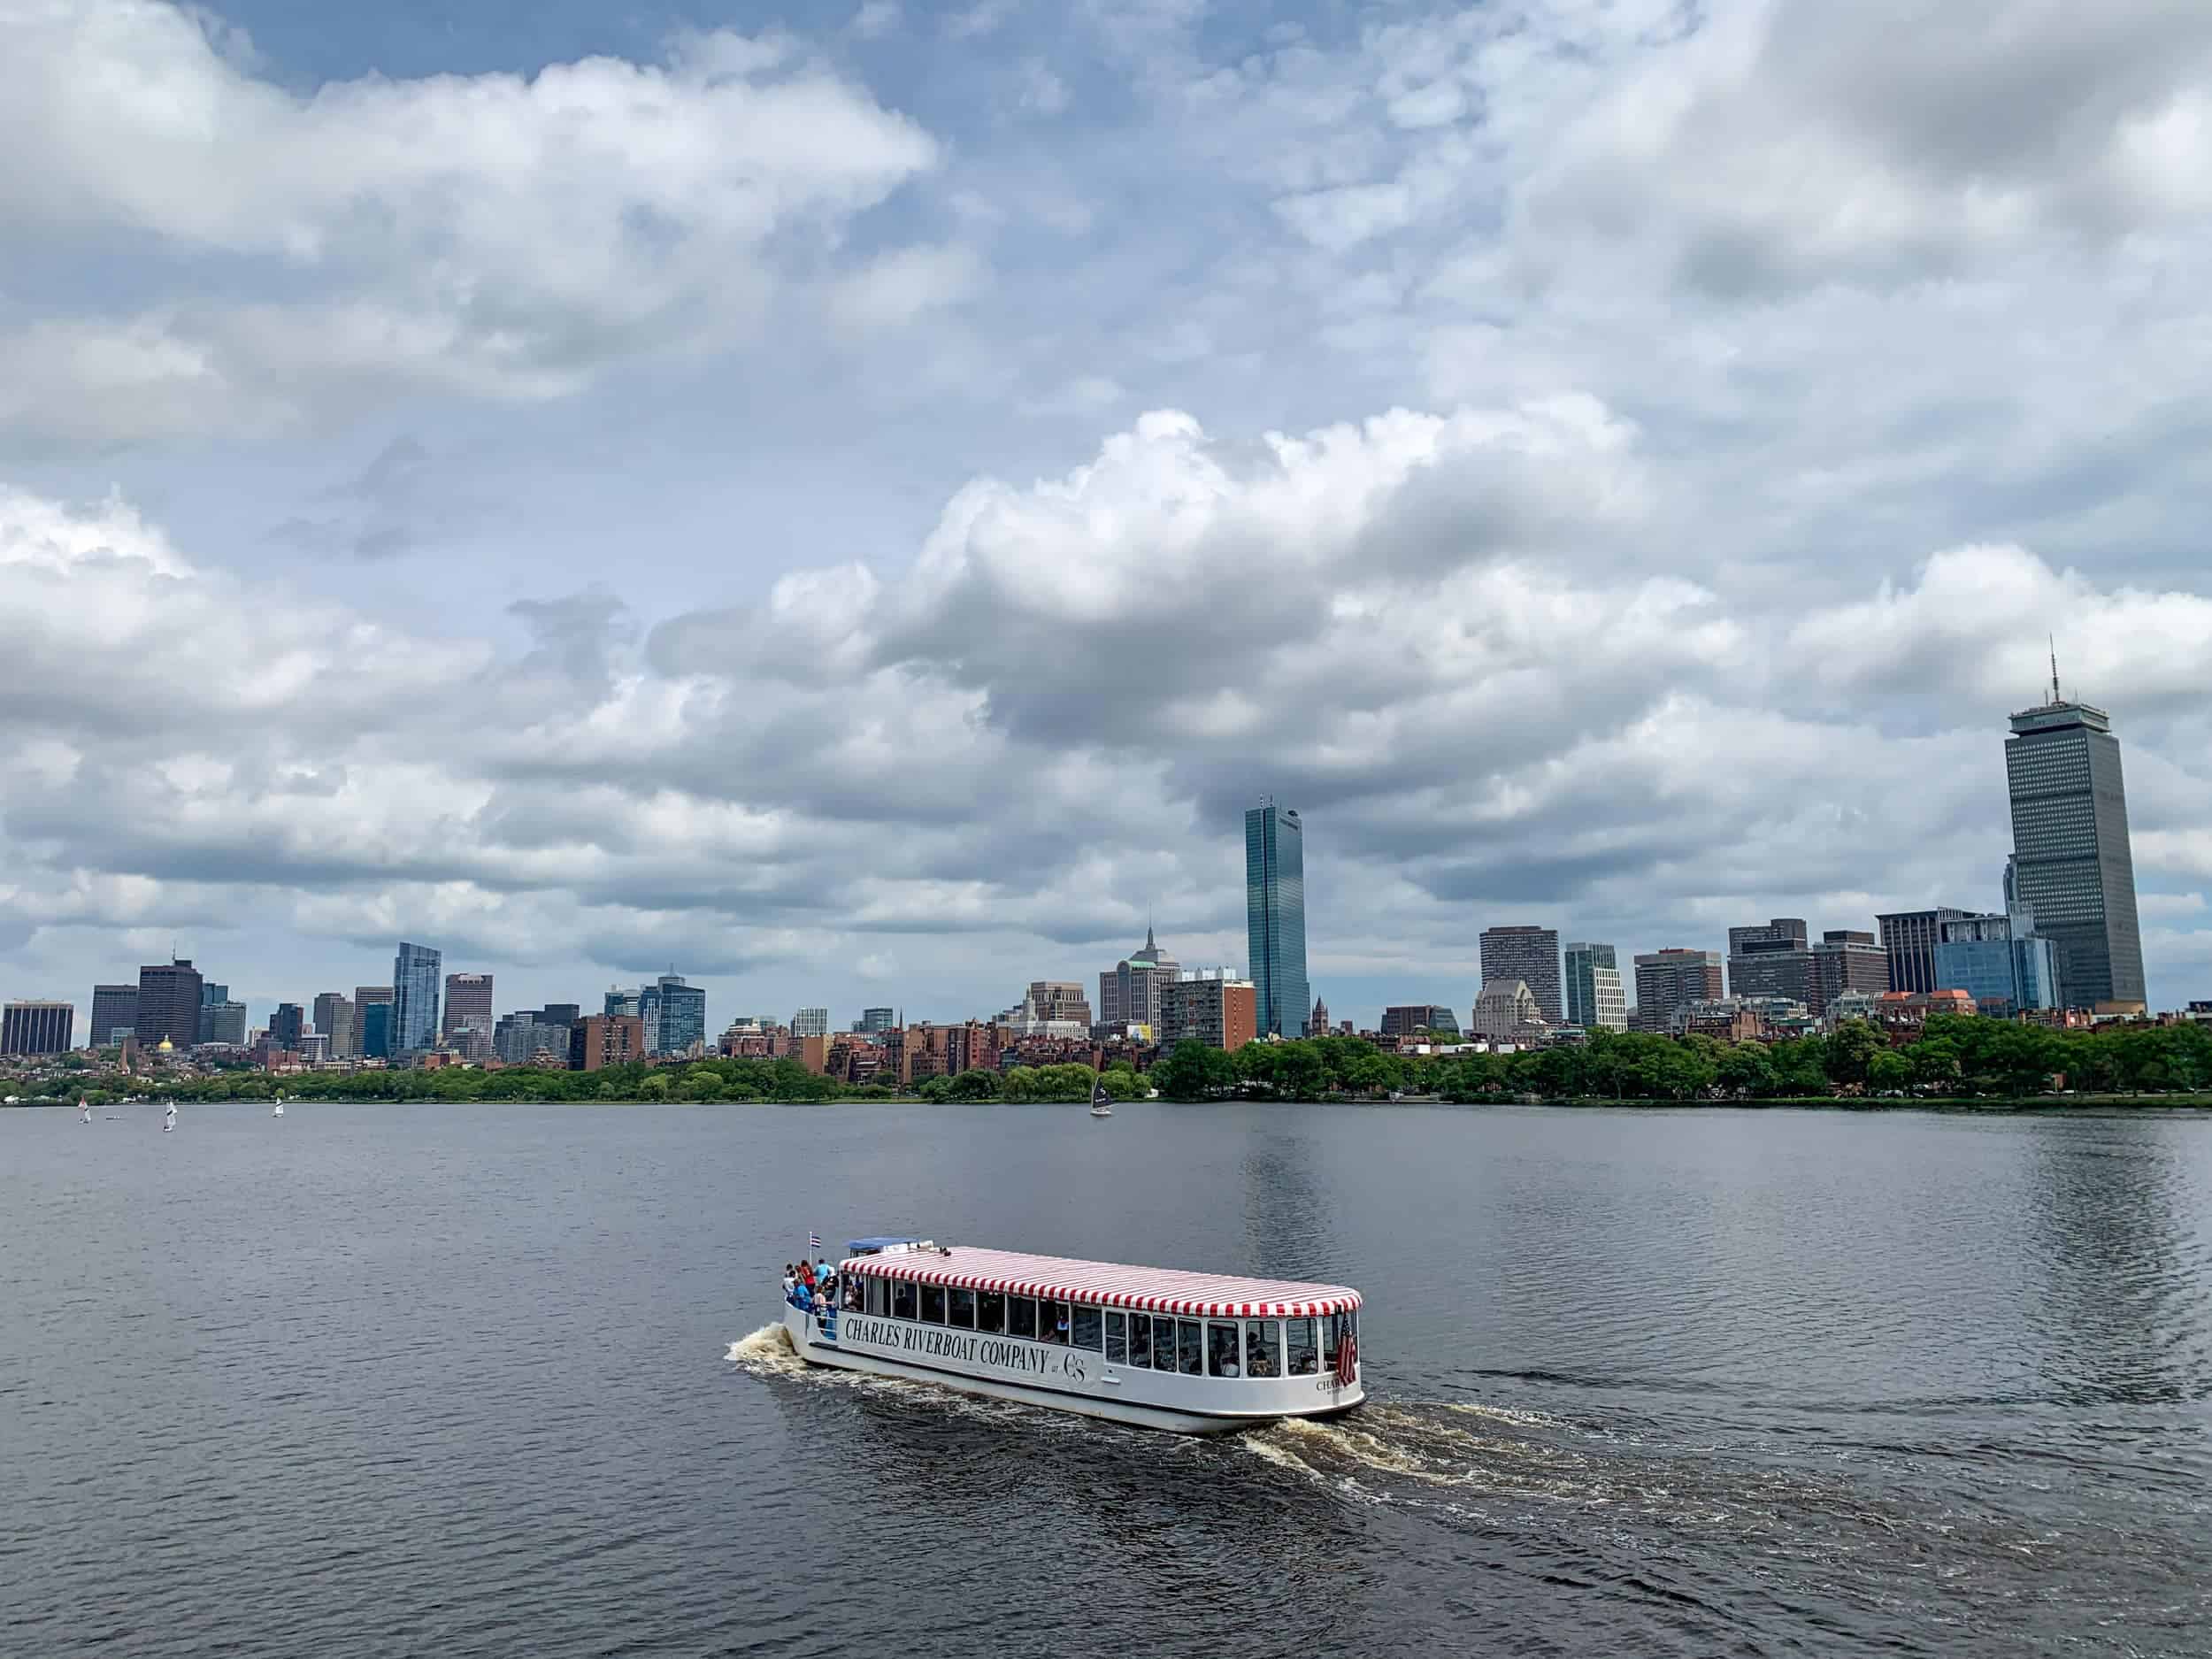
169,1119
1101,1104
279,1113
84,1109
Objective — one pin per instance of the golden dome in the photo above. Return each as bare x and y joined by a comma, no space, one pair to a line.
165,1046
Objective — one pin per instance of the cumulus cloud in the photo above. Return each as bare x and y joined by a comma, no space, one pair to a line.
492,236
1407,626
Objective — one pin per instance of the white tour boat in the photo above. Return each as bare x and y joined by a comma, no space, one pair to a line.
1198,1353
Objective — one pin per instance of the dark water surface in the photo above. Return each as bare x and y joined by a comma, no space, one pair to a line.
379,1380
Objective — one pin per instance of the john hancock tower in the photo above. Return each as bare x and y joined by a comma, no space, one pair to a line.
1275,917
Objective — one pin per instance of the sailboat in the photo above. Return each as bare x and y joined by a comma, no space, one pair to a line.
1102,1105
84,1109
279,1113
169,1119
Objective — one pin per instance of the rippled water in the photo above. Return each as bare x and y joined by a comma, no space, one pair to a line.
498,1379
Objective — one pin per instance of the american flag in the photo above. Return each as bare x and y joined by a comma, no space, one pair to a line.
813,1240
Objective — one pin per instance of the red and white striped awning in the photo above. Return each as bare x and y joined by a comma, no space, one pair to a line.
1110,1284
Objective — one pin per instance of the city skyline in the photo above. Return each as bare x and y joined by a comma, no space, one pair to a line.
2069,815
1579,525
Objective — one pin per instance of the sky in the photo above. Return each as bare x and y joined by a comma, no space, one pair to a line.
851,504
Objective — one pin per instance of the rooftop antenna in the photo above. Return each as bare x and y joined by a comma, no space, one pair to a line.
2056,698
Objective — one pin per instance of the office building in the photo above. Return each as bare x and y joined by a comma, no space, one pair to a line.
1668,981
414,1024
1999,961
810,1022
621,1003
1844,959
2072,863
605,1039
1275,917
1216,1010
212,997
675,1015
376,1029
468,1004
114,1010
1769,959
1530,955
1507,1012
875,1021
533,1036
1595,1000
1406,1018
560,1014
168,1005
1060,1001
225,1024
1909,938
36,1027
334,1019
1129,992
285,1026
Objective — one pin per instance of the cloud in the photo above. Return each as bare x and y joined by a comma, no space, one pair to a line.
493,236
877,19
901,287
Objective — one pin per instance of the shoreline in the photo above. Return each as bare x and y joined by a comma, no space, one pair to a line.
2044,1105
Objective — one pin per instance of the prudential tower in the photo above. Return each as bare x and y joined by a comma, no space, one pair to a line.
2069,840
1275,917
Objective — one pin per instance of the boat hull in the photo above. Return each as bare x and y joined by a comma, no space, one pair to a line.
810,1343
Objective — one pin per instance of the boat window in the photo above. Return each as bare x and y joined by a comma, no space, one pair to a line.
1221,1350
932,1304
1262,1349
1305,1354
1190,1347
902,1299
878,1297
963,1309
1052,1322
990,1311
1021,1316
1140,1340
849,1293
1117,1339
1334,1329
1085,1327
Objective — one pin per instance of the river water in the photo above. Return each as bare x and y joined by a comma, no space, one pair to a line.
378,1379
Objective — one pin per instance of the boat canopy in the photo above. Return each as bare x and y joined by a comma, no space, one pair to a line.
869,1246
1110,1284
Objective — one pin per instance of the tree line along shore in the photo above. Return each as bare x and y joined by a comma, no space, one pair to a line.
1954,1061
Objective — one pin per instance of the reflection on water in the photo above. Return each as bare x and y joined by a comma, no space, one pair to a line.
2120,1266
1651,1382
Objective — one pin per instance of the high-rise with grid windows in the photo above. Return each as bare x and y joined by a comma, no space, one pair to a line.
2071,865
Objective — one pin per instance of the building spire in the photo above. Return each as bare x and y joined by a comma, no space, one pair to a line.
2056,698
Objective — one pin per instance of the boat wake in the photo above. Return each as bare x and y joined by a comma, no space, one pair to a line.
767,1352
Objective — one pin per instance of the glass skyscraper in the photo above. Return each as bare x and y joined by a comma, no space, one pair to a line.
1275,917
414,1027
2071,865
1595,999
675,1014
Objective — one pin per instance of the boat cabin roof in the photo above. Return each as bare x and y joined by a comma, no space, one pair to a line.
1112,1284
